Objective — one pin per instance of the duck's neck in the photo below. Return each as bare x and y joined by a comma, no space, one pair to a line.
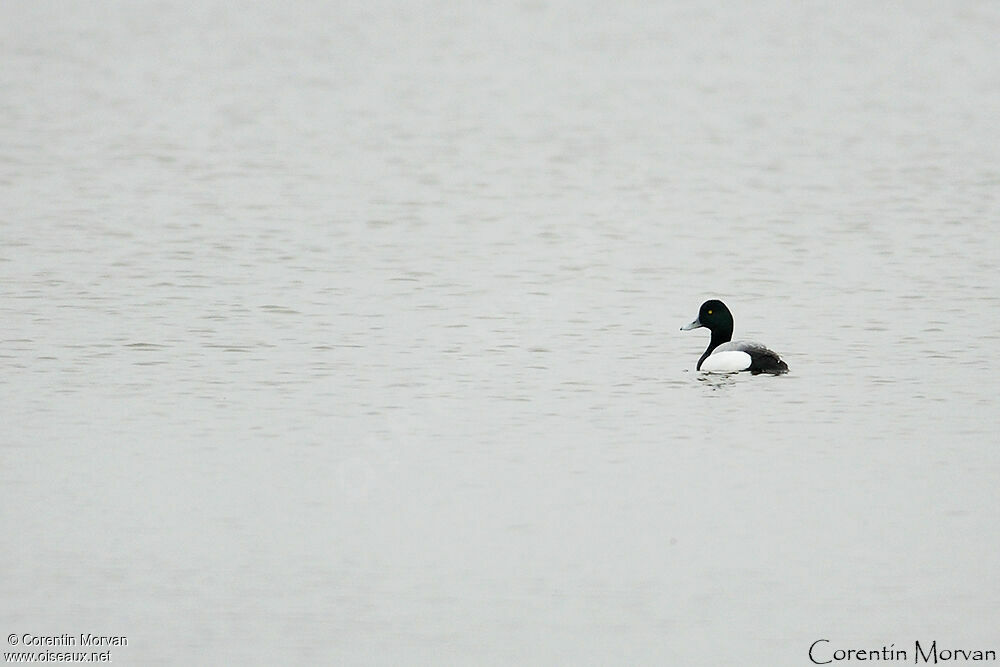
719,336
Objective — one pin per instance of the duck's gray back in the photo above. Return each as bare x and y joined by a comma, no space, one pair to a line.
751,347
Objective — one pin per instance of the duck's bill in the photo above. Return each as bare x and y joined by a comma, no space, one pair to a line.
694,325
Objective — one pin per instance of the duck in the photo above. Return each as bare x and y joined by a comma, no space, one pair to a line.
724,355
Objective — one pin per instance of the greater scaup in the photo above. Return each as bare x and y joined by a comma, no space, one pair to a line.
727,356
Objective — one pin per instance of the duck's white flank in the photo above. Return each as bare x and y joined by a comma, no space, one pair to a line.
730,361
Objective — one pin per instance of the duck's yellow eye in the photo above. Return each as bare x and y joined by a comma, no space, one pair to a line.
709,312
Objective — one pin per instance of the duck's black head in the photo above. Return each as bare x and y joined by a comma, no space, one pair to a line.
715,317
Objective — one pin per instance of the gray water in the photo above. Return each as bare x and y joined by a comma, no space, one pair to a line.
347,333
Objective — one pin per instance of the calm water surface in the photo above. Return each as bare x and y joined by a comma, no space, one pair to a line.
348,333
